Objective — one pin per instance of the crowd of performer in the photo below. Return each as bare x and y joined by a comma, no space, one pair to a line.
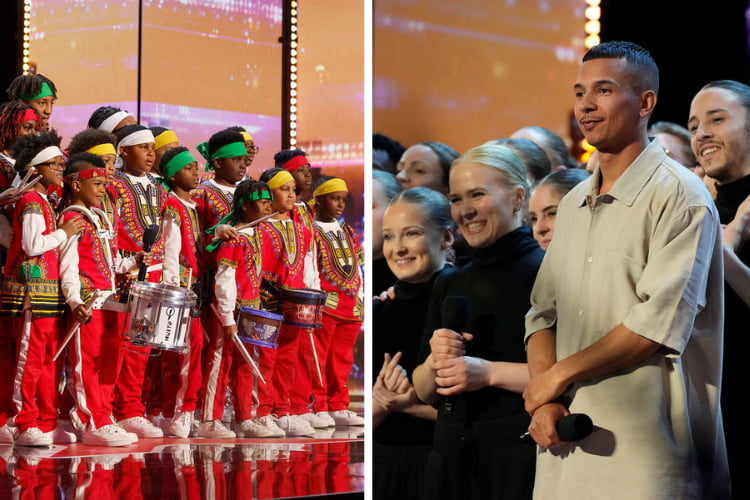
110,241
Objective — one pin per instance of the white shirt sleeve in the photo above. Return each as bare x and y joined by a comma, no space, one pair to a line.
225,289
33,242
70,280
172,247
311,276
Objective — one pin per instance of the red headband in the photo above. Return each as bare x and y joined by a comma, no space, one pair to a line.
86,174
295,163
92,172
28,115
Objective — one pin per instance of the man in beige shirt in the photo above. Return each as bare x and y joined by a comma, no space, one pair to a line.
626,316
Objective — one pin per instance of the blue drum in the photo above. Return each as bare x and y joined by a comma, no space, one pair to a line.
258,327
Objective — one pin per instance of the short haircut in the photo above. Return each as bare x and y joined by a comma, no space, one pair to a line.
641,67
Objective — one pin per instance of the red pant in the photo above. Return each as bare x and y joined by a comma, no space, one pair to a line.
95,358
223,363
7,367
337,339
36,378
285,367
181,374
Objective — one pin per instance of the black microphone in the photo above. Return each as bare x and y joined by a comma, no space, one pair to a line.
454,315
573,427
149,238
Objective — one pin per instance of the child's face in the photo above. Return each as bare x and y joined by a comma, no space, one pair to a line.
90,192
187,178
109,164
303,178
331,206
51,172
256,209
231,169
284,197
138,159
28,127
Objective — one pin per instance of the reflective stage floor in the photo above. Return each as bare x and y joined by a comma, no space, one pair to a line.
331,463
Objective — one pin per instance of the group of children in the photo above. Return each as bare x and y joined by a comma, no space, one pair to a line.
87,226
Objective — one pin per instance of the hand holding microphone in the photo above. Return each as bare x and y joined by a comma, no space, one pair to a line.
572,427
149,238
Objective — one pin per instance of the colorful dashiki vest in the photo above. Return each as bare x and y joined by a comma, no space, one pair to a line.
138,207
304,213
212,204
191,239
96,250
39,275
284,245
339,258
243,254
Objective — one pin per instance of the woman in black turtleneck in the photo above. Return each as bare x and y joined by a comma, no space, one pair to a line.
477,380
417,238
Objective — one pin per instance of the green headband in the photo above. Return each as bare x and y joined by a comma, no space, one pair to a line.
230,150
45,91
176,164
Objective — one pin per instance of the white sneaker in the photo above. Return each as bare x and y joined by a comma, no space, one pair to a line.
254,428
107,435
141,427
133,436
270,423
314,420
214,429
8,434
181,425
33,436
327,417
61,436
346,417
294,425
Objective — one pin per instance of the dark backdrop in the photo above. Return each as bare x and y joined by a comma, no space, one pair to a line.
692,45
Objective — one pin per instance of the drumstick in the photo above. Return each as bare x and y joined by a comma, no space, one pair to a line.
241,347
75,326
256,221
29,173
315,355
29,185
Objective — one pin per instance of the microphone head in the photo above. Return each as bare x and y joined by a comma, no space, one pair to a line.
455,312
574,427
149,237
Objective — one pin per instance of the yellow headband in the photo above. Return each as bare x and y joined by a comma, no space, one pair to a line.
165,138
102,149
279,180
330,186
246,136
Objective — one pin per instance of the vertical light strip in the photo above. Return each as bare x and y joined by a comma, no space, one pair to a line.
293,75
26,61
592,27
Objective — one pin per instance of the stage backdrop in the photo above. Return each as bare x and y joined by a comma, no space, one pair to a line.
210,64
464,72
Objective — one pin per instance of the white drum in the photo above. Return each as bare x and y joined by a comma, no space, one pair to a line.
158,316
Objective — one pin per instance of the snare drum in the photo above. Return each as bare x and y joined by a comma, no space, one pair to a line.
303,307
258,327
158,315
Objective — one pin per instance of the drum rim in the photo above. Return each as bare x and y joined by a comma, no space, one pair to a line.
262,313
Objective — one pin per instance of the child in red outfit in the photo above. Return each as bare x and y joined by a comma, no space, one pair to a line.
183,266
88,263
340,259
238,285
32,294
